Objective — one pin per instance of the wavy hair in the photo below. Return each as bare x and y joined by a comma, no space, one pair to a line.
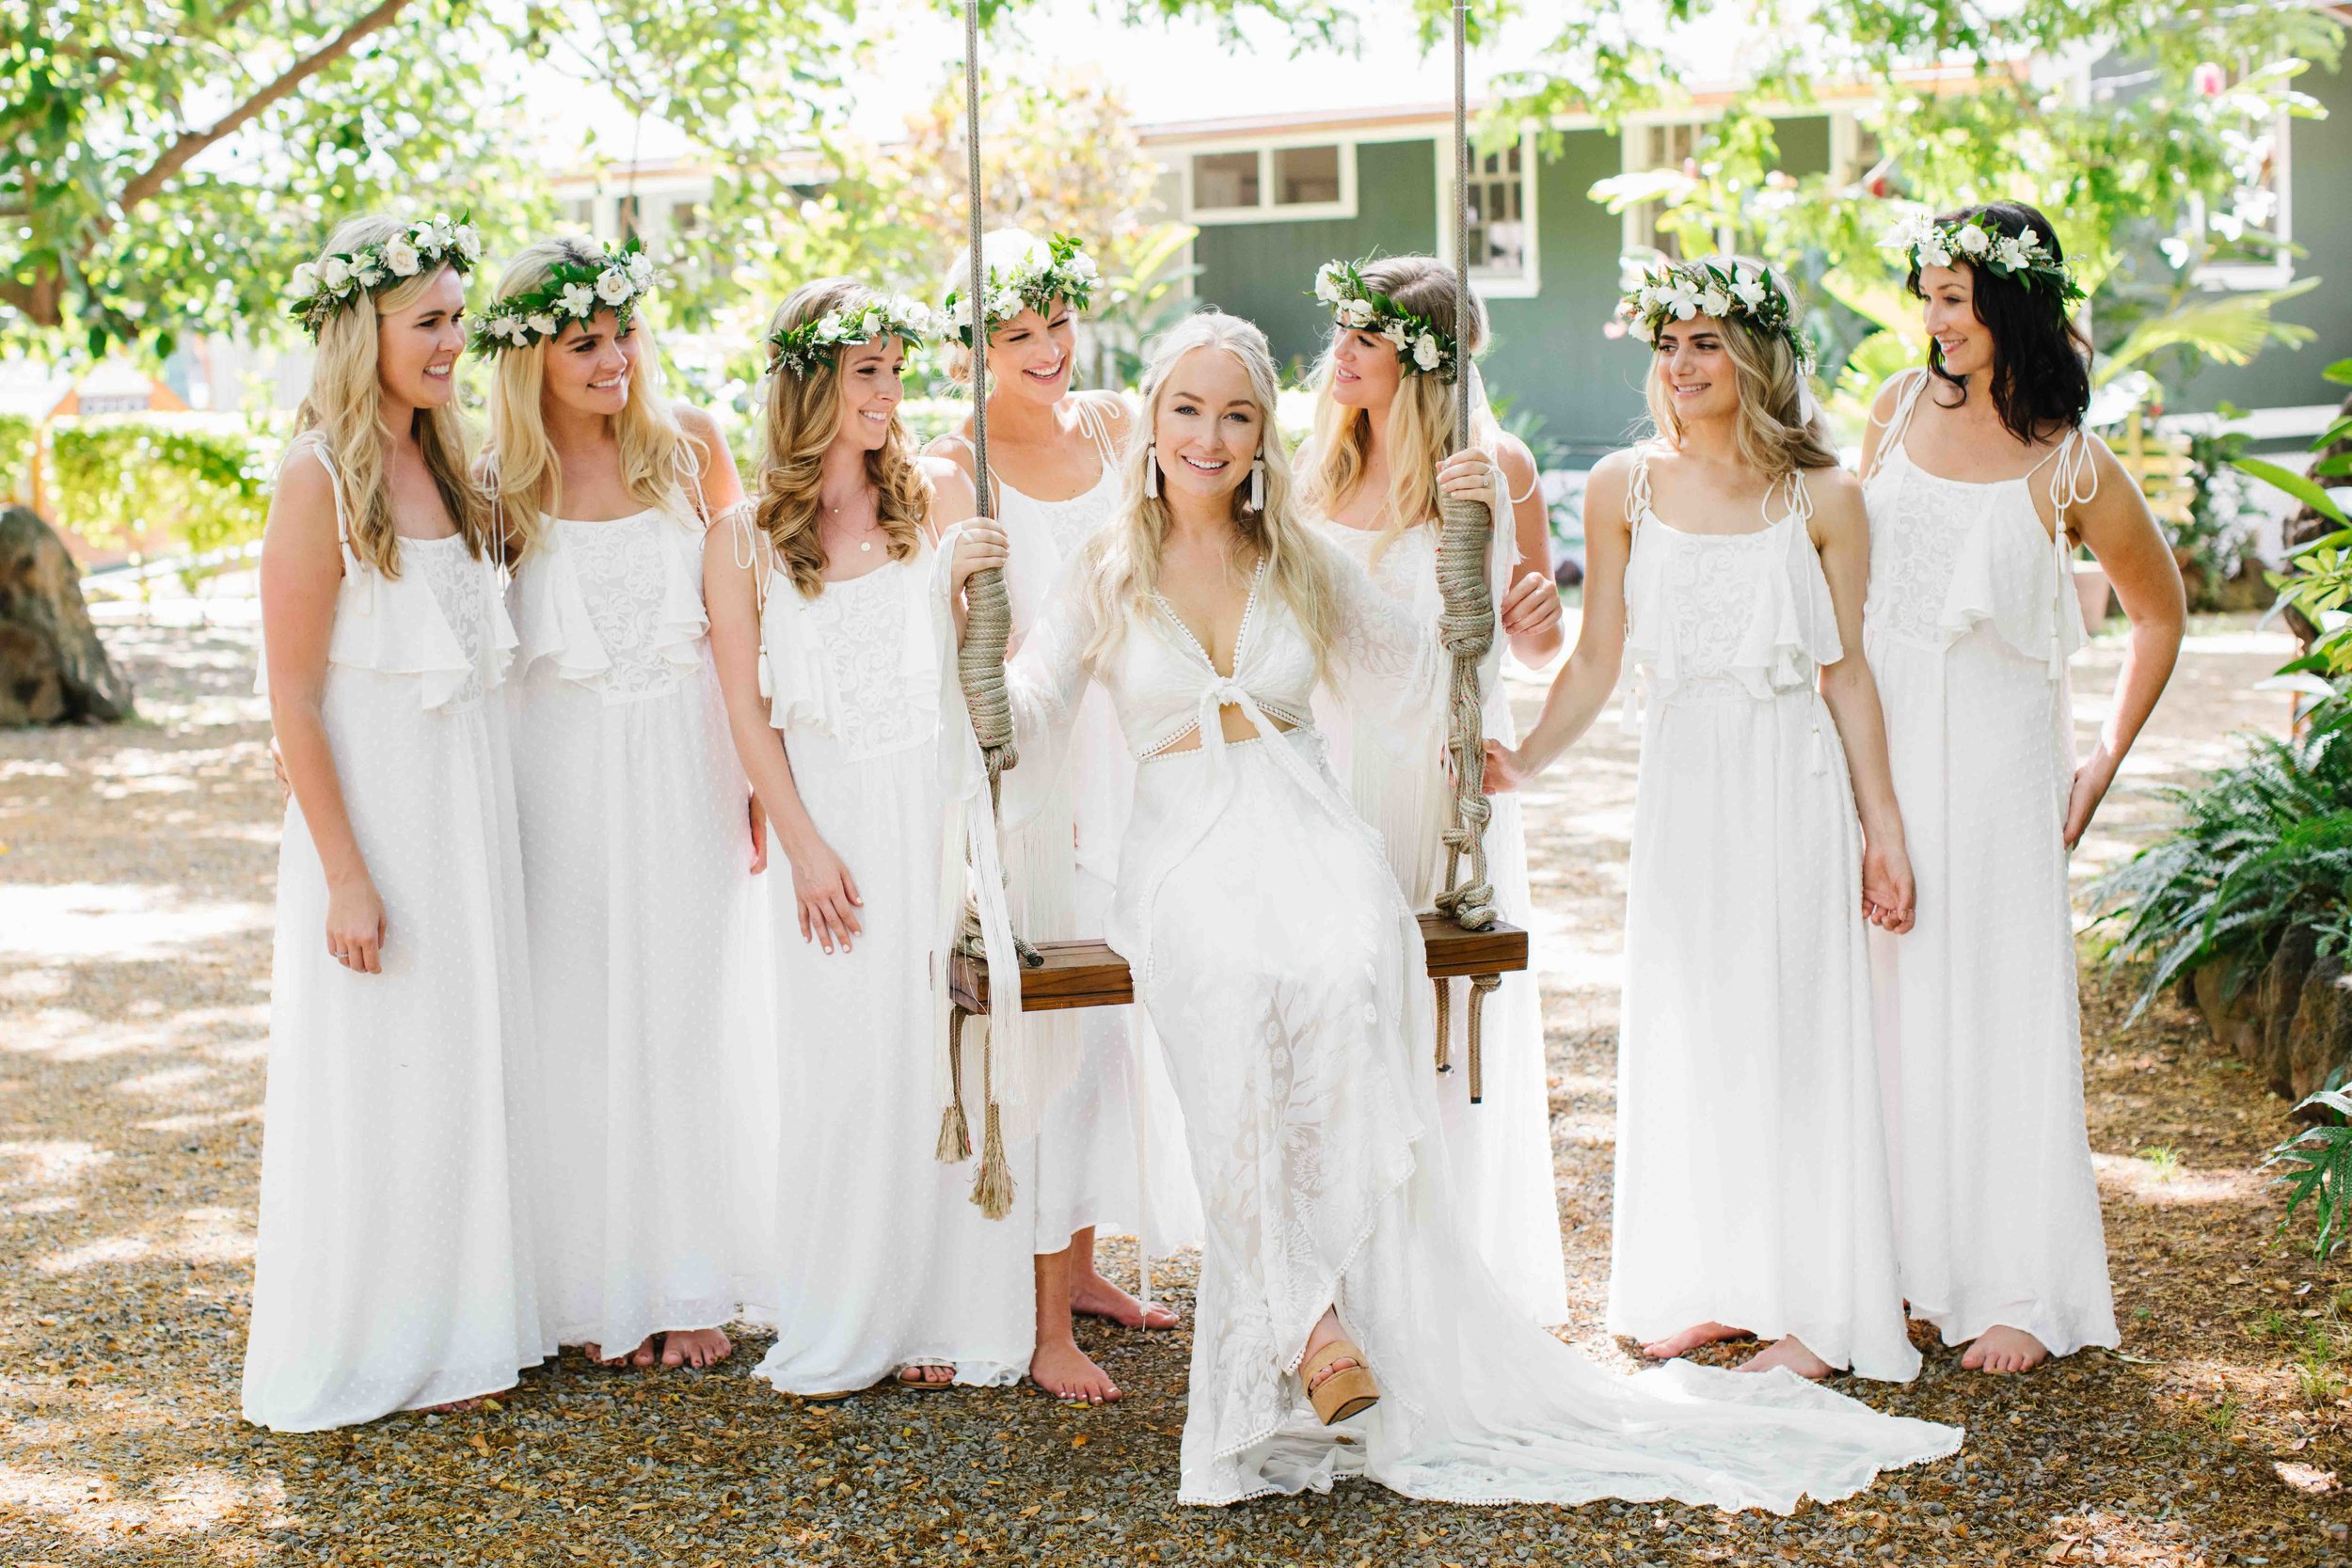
802,414
1125,551
1419,431
2041,382
342,407
662,463
1780,428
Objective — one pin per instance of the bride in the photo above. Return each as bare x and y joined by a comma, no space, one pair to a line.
1283,974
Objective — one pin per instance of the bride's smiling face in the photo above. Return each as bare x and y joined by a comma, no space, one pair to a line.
1208,426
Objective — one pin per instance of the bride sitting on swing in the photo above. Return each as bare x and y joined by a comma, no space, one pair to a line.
1284,976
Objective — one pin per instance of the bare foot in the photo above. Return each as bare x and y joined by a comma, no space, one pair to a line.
694,1347
458,1407
1093,1296
640,1356
1690,1339
928,1374
1789,1352
2002,1349
1064,1370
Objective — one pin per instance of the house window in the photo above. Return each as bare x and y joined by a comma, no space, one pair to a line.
2250,231
685,218
1660,148
1314,180
1501,232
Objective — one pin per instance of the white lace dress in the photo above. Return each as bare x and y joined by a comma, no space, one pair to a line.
1398,773
393,1268
1971,617
1752,1177
880,1257
636,863
1286,982
1110,1145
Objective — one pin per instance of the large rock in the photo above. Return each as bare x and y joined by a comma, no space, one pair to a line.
2277,997
2320,1042
53,668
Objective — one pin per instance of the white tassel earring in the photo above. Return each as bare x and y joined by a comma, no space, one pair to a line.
1152,470
1257,484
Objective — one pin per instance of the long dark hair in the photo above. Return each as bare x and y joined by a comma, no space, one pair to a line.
2040,359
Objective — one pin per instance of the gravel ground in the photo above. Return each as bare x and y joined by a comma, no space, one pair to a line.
136,878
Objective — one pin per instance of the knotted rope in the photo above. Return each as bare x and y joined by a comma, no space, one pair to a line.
980,670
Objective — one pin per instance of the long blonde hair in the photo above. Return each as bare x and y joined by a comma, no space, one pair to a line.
1419,432
803,416
660,463
1125,551
1001,251
342,408
1779,429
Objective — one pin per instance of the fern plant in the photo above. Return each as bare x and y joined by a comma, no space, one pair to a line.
2316,1168
2261,848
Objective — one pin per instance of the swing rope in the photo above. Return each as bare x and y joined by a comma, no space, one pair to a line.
1465,622
980,671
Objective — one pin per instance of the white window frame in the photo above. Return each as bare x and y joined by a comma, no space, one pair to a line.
1268,210
1637,129
2247,276
1527,283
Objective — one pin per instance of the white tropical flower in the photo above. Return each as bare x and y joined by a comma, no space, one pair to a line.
916,315
1327,283
1082,266
2029,240
578,299
641,270
306,281
2011,254
1425,350
545,324
468,241
613,286
1394,333
1652,296
1715,302
1933,254
1004,304
368,275
1680,298
402,256
1975,240
829,327
1751,290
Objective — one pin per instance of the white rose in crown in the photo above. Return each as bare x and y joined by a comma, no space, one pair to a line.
1425,350
918,318
1328,284
1355,312
545,324
1715,303
1004,304
368,277
335,273
1394,333
1975,240
1082,267
613,286
641,270
306,281
578,299
469,242
402,256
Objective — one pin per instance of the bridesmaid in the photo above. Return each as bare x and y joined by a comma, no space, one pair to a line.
1751,1181
393,1270
1053,475
1384,427
632,805
833,620
1979,472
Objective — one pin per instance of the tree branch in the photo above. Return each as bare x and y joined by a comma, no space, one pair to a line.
186,146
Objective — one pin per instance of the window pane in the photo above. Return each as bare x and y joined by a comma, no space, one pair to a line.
1498,232
1306,174
685,218
1225,179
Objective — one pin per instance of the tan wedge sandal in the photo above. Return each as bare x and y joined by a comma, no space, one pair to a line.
1350,1391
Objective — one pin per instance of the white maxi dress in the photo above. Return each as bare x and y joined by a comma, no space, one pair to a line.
1751,1174
1110,1145
1397,773
394,1265
882,1258
636,871
1971,617
1285,979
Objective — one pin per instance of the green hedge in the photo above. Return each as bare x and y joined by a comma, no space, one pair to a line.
205,481
18,436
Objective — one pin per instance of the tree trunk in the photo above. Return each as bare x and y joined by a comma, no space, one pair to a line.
53,668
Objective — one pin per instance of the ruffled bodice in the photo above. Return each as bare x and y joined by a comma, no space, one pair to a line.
1948,555
442,620
869,673
615,606
1725,615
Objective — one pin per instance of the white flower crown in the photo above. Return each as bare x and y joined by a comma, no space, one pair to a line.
1058,269
319,289
574,291
1679,290
800,349
1420,347
2024,257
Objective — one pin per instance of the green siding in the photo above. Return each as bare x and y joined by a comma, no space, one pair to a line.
2320,165
1803,144
1267,271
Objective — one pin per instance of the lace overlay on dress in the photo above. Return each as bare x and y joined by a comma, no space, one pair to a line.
622,571
860,630
461,588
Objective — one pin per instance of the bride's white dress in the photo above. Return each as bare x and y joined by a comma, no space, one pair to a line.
1394,764
1285,976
